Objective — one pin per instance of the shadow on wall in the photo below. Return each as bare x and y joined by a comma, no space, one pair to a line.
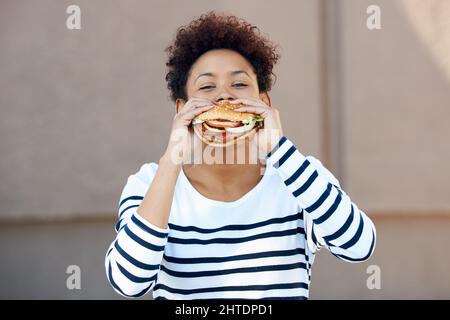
430,20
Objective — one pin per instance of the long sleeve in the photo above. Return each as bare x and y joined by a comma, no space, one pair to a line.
331,217
133,259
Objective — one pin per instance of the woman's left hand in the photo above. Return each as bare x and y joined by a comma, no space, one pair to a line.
266,137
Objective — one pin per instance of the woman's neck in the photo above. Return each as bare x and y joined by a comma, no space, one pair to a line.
241,172
224,176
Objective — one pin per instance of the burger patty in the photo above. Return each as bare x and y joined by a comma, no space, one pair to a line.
223,123
222,136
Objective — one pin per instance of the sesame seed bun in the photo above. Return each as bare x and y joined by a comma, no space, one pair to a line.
225,111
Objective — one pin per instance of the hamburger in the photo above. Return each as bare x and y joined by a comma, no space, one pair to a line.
222,126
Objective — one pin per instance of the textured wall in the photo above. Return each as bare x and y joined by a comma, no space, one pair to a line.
396,105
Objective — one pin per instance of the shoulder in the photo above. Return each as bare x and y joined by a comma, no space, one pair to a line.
144,176
147,171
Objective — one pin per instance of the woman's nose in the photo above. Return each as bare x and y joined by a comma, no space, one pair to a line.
225,96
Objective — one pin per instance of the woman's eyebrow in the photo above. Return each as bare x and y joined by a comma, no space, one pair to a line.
209,74
238,72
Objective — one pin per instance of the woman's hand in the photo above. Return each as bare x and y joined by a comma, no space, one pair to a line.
268,136
181,138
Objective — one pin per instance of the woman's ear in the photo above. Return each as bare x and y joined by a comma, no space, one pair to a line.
179,103
265,97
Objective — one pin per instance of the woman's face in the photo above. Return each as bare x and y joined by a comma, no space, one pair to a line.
222,74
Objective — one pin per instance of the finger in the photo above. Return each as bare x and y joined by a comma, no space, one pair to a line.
196,104
190,114
253,109
250,102
193,102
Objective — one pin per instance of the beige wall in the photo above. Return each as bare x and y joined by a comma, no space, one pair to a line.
396,101
82,110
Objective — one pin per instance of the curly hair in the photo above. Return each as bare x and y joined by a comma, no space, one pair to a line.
214,31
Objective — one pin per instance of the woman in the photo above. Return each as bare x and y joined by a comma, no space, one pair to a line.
209,231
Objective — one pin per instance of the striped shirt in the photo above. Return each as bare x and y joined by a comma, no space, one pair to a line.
260,246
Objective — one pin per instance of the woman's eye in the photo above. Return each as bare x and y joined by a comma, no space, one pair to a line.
240,85
206,87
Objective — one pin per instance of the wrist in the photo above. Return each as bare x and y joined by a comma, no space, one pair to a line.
168,159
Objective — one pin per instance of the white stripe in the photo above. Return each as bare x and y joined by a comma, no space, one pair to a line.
234,279
274,260
131,268
361,247
125,284
325,206
349,233
232,249
235,233
128,204
146,236
275,157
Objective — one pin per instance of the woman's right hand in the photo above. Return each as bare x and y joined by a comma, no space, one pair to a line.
179,148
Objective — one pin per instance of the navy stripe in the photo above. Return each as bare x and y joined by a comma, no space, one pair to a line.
306,185
342,230
238,240
118,225
281,253
133,206
211,273
113,283
286,156
130,198
292,217
359,259
356,237
134,278
109,251
313,237
262,287
297,173
121,218
141,241
279,144
140,224
330,211
133,261
321,200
